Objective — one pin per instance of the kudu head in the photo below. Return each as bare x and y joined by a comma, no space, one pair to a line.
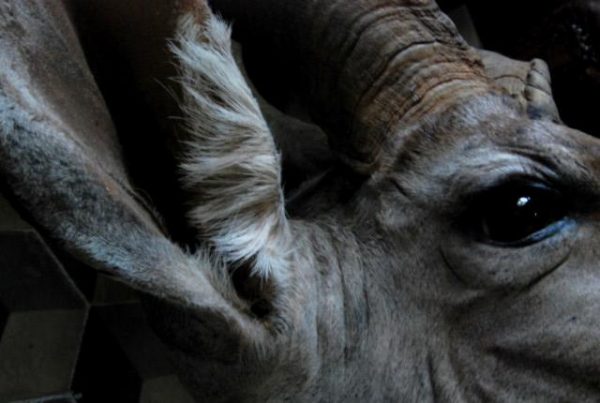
450,254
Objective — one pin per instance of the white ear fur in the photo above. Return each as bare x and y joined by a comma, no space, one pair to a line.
231,166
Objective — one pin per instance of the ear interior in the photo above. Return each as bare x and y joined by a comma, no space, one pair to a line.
59,153
126,46
61,160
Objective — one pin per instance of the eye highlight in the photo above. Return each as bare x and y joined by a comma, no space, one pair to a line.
516,213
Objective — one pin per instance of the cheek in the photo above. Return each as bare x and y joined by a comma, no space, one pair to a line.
485,266
548,329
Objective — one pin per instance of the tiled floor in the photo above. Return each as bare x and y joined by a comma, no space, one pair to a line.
67,334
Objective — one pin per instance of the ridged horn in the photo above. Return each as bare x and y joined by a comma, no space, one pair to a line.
364,68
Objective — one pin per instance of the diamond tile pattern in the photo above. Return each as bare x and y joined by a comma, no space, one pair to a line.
69,335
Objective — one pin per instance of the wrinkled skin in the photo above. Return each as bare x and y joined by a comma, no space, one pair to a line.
467,319
495,322
398,284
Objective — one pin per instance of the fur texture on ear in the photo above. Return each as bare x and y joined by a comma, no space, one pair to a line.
59,158
86,208
231,167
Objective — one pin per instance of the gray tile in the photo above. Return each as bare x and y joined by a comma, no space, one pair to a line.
104,372
164,389
30,276
127,323
38,351
123,360
9,218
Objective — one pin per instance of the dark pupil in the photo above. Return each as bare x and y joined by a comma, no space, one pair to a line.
515,213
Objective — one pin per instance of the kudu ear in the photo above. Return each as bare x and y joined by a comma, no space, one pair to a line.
528,82
59,154
60,158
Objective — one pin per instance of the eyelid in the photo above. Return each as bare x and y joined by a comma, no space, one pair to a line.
484,173
518,180
482,188
537,236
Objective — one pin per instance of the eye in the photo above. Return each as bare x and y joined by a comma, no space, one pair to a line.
516,213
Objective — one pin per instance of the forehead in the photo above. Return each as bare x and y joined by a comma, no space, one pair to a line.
487,139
